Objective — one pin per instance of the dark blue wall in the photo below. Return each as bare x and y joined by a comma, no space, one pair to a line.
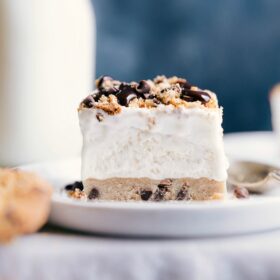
231,47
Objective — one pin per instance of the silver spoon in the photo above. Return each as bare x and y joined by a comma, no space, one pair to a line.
256,177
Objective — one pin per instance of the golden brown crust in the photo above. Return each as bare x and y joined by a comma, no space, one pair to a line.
24,203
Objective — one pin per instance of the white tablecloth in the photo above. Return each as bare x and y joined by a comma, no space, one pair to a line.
65,255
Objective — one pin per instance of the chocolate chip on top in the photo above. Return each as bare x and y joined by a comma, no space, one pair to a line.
125,94
88,102
111,94
143,87
195,95
102,81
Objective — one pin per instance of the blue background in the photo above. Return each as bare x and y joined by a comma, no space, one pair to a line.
230,47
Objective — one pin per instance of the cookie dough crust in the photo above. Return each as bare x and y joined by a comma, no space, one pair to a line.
145,189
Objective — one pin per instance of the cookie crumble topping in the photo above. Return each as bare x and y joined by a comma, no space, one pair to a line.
110,95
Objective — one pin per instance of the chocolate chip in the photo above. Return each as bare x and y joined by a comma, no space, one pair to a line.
158,195
96,96
143,87
99,117
195,95
147,95
187,98
75,185
126,94
69,187
160,192
112,90
182,194
107,92
103,79
145,194
156,101
241,192
88,101
124,86
165,182
185,84
94,193
125,98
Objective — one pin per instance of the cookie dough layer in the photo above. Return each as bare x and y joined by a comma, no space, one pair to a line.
144,189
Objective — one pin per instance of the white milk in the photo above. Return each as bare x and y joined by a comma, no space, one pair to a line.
47,52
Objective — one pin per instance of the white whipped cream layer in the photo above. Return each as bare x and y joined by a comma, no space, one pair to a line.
156,143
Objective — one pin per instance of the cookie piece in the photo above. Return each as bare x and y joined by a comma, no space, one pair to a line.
24,203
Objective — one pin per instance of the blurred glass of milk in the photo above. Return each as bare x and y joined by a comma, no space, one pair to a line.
47,51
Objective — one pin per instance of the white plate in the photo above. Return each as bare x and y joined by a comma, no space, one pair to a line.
258,146
176,219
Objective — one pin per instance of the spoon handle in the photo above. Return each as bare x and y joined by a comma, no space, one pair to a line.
275,174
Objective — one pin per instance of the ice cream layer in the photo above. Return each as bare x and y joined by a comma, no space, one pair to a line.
156,143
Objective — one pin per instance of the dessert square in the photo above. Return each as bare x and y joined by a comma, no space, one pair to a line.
153,140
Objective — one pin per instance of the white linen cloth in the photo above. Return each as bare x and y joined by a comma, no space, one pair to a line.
52,256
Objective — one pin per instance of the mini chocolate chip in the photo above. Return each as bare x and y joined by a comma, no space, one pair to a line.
143,87
145,194
94,193
182,194
241,192
102,79
69,187
112,90
124,86
160,192
88,101
96,95
187,98
79,185
197,95
107,92
75,185
156,101
99,117
147,95
126,94
158,196
165,182
125,98
185,85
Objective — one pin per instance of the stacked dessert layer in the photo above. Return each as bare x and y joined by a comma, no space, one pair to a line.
154,140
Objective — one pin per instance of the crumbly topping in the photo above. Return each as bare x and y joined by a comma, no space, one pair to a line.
110,95
77,194
75,190
108,104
